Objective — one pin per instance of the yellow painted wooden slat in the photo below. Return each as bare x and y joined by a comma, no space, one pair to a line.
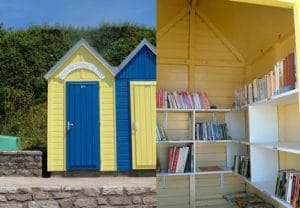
174,194
143,107
297,38
56,112
275,3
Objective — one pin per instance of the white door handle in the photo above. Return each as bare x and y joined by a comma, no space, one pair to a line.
133,126
69,125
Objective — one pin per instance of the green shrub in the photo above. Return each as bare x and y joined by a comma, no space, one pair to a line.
30,126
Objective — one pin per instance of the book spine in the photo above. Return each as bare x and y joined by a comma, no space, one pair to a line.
290,185
188,164
179,160
176,155
293,71
170,159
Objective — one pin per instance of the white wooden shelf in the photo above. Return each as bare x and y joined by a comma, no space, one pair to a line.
248,180
193,141
290,147
193,110
175,142
223,171
241,141
224,110
174,174
173,110
262,120
212,141
290,97
266,187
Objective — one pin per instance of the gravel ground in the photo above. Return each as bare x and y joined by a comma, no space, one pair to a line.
77,182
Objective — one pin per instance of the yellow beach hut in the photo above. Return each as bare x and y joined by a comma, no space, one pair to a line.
81,112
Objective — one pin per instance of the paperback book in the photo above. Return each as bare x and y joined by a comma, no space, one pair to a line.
246,200
242,165
288,186
160,133
182,100
281,79
210,131
180,159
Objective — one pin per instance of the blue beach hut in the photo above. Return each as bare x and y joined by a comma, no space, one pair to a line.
135,85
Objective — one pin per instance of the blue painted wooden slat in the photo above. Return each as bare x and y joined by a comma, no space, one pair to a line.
142,67
83,138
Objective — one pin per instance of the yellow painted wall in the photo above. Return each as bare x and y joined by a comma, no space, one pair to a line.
56,112
192,56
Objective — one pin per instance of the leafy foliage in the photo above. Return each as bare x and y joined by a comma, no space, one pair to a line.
31,126
26,56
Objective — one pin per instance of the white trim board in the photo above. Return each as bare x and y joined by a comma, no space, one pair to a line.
81,65
81,42
113,70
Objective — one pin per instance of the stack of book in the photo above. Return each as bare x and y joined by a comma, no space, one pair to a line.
180,159
182,100
288,186
160,133
210,131
242,165
277,81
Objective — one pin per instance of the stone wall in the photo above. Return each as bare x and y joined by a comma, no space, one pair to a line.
20,163
67,197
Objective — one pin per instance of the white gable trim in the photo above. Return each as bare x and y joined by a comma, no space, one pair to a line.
84,43
81,65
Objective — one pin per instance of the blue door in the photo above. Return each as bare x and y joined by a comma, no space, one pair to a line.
83,125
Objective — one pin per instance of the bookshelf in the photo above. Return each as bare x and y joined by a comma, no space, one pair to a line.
205,153
201,49
266,145
261,141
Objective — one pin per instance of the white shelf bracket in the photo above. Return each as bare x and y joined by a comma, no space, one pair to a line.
166,120
164,182
222,180
214,118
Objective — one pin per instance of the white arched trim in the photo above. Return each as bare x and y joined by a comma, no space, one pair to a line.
81,65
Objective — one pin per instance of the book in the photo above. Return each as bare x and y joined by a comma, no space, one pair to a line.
182,100
188,164
170,159
179,159
210,131
288,186
210,168
279,80
241,165
160,133
246,200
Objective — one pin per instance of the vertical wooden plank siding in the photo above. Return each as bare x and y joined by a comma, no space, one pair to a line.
142,67
210,65
297,38
143,110
57,116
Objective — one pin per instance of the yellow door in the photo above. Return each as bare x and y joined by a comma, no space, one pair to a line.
143,118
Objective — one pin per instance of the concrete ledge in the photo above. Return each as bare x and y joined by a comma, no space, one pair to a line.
39,153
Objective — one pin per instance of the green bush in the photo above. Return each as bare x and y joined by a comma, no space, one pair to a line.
30,126
27,54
